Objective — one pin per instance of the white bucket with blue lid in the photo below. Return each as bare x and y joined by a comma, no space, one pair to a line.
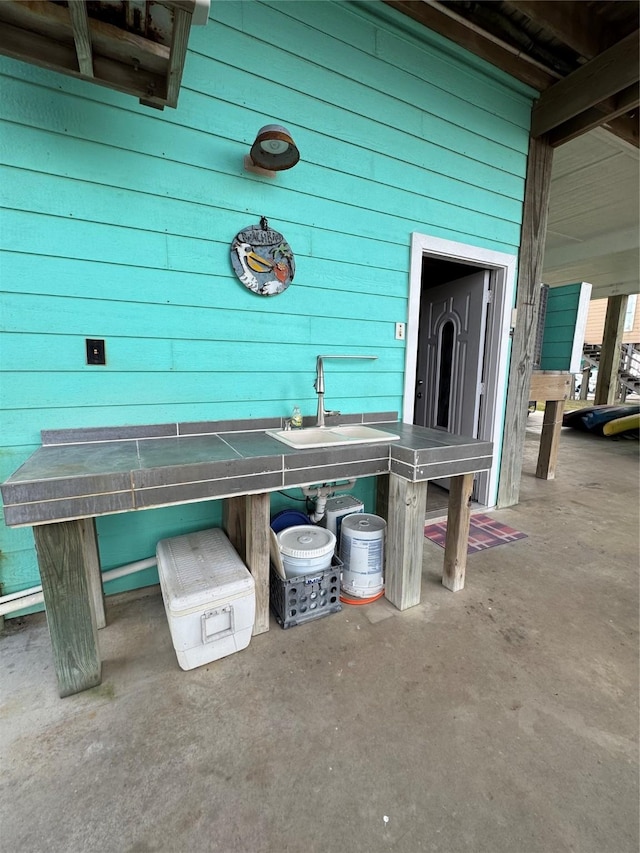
305,549
362,553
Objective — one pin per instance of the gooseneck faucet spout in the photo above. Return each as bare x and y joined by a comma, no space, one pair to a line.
319,385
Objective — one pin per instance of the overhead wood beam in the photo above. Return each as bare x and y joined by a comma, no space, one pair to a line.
569,22
611,72
453,27
81,36
623,103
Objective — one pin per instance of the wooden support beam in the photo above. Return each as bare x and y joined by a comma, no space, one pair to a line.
92,564
457,541
550,439
607,382
534,227
608,74
257,555
405,541
81,36
233,523
584,385
622,103
382,496
245,520
62,548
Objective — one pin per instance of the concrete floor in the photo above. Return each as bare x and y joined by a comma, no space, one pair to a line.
500,718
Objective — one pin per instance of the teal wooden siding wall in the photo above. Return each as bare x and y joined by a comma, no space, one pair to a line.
561,326
117,222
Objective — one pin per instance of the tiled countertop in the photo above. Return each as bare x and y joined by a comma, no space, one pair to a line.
91,472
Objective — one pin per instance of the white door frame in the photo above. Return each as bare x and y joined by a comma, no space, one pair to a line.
499,326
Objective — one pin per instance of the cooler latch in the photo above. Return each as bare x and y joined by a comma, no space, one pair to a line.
217,624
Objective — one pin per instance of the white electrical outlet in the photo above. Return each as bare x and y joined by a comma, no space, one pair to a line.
400,328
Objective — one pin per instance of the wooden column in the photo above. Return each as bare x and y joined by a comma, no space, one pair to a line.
233,522
607,382
246,522
552,388
584,386
458,519
257,556
94,573
550,439
405,541
382,496
62,550
534,227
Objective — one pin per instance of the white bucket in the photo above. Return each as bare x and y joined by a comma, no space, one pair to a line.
305,549
362,553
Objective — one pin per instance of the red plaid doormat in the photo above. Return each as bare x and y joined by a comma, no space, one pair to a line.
484,532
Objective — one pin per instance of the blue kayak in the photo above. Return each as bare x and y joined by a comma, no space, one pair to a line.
594,418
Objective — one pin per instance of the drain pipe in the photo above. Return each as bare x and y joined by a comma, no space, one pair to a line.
321,493
29,597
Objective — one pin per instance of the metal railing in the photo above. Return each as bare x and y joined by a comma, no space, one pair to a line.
628,365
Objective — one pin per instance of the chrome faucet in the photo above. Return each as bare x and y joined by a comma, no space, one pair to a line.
319,385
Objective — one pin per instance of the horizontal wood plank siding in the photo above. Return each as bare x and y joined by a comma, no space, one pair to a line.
117,222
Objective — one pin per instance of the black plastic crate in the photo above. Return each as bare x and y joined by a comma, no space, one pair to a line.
307,597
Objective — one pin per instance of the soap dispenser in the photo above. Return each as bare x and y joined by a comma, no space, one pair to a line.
296,418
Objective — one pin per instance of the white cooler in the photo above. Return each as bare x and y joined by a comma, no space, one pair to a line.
209,596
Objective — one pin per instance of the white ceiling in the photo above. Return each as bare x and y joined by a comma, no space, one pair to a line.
593,232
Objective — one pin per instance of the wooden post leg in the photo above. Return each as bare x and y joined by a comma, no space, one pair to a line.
584,387
382,496
458,518
62,548
257,556
405,541
246,522
607,383
233,522
550,439
94,574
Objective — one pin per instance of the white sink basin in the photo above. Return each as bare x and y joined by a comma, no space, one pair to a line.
312,437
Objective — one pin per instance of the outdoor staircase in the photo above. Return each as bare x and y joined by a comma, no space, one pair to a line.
628,369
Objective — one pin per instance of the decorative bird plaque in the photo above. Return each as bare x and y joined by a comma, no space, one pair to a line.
262,259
